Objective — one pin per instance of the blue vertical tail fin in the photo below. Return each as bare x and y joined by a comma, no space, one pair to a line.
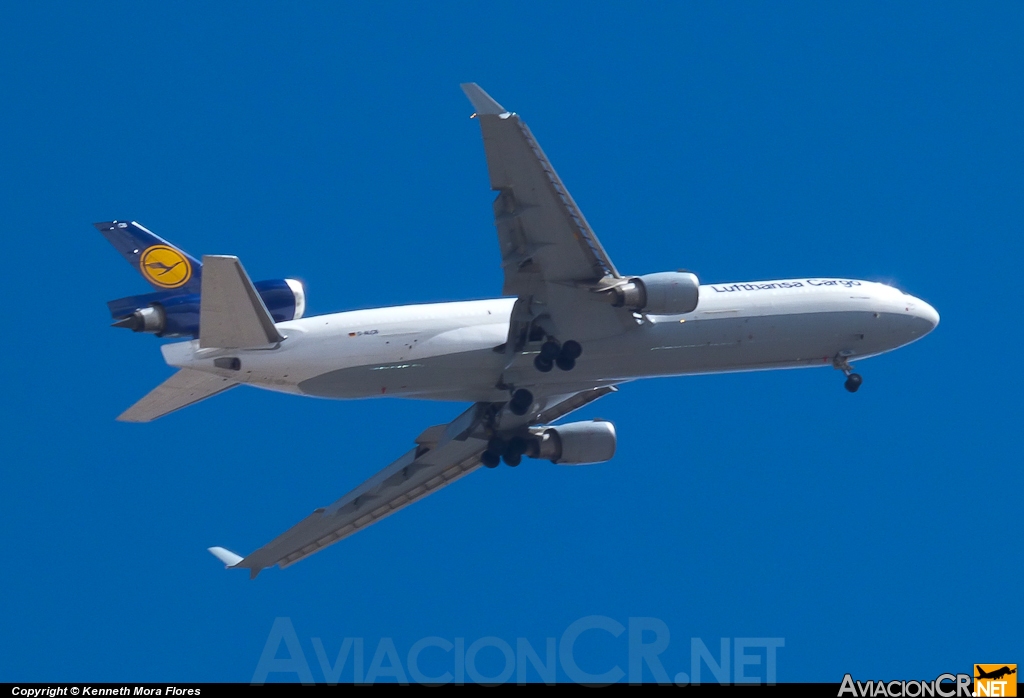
165,266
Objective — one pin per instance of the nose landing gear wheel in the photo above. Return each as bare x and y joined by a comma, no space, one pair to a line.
853,380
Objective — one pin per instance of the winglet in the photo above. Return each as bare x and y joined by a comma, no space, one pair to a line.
229,558
482,102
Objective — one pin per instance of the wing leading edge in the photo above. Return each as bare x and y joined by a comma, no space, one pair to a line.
542,232
443,454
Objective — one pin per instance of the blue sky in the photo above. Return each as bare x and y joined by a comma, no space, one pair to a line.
876,533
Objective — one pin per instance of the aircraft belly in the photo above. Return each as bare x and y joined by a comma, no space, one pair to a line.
460,376
740,343
661,348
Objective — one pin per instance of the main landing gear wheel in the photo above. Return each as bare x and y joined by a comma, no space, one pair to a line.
572,349
515,449
517,445
549,350
551,354
520,402
511,451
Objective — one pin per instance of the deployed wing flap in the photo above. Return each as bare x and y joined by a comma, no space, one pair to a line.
232,314
184,388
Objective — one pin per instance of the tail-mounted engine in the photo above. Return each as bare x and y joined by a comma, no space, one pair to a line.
168,314
664,293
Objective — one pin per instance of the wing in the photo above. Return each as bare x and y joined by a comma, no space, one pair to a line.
443,454
551,257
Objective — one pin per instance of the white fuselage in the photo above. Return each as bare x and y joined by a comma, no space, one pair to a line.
446,351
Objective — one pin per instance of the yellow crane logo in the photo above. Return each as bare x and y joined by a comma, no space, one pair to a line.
165,266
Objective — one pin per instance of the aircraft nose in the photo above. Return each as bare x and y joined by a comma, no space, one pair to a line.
925,318
927,313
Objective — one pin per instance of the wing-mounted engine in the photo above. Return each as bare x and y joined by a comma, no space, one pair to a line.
663,293
169,314
577,443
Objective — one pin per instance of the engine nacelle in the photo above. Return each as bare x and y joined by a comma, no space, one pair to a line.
578,443
169,315
664,293
287,301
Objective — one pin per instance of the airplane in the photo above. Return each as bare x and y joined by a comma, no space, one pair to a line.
995,674
569,329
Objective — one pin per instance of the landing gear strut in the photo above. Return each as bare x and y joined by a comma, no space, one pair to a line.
853,380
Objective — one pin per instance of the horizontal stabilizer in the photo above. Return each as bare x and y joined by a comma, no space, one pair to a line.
229,558
232,314
180,390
